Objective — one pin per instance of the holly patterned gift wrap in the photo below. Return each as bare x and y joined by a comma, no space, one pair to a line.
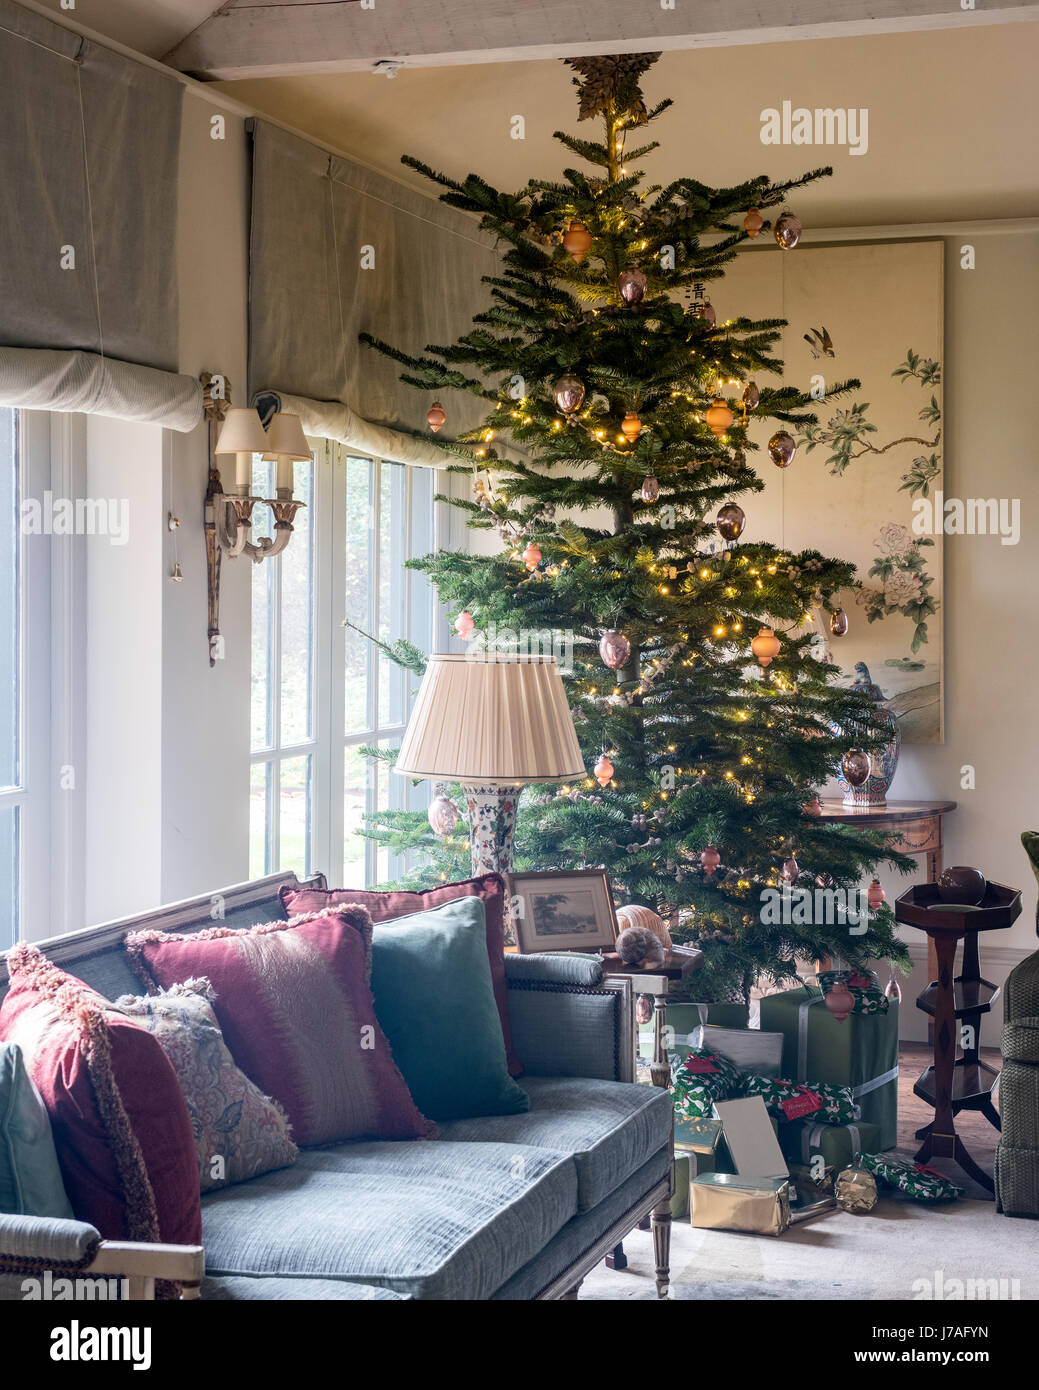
796,1100
836,1145
864,987
916,1180
861,1051
698,1080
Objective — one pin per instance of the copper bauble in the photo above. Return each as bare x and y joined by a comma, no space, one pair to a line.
531,556
650,490
893,990
443,815
787,230
719,416
839,1000
962,885
790,872
730,521
766,646
875,894
632,285
839,622
464,625
781,449
435,416
710,859
631,427
603,771
813,807
706,311
614,648
751,395
856,766
753,222
577,240
568,393
643,1008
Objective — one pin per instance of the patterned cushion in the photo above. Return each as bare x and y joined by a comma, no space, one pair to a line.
30,1179
239,1132
294,1002
384,907
120,1124
611,1128
439,1221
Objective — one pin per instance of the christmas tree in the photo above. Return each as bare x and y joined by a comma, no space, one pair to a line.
611,464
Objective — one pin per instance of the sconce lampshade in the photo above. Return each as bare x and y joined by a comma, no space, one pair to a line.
285,438
241,433
503,722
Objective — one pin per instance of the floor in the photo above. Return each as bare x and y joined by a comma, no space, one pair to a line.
901,1250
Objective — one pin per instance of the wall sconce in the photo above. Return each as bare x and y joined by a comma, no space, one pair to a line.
228,515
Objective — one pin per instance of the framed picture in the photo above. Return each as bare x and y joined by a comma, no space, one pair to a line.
563,911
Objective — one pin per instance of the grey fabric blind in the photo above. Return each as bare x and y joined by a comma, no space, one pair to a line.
88,148
35,378
313,216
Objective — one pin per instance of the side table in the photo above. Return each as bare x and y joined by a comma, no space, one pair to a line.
952,1084
655,985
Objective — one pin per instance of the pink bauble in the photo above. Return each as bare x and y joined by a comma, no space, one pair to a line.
875,894
790,872
464,625
840,1001
614,648
710,859
531,556
442,815
603,771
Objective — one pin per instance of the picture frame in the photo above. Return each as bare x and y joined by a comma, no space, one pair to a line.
566,911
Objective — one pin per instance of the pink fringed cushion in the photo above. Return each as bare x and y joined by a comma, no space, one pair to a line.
294,1002
384,907
239,1132
120,1123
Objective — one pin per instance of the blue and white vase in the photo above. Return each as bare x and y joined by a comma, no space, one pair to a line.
873,791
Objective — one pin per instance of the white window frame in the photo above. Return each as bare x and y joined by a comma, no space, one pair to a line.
329,737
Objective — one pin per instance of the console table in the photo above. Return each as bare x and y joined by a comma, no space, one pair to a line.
920,831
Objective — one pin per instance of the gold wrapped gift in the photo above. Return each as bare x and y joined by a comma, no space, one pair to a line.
727,1202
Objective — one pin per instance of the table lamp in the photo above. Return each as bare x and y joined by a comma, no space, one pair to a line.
493,723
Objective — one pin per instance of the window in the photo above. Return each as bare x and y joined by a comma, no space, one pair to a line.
12,677
321,691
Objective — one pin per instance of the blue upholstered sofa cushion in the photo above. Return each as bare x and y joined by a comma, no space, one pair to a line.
242,1288
611,1128
434,1220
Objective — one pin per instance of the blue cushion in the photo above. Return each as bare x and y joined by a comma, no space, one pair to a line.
272,1289
30,1179
434,997
434,1220
610,1127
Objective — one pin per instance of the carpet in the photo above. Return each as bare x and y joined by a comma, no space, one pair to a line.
901,1250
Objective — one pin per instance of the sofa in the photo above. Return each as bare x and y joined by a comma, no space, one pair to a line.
517,1206
1017,1153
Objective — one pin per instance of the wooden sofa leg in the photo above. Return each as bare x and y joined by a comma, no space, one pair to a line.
617,1259
571,1294
662,1246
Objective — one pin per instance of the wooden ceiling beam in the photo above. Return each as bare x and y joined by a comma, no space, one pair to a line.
275,38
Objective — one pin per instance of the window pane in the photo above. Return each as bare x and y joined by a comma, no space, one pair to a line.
262,606
355,784
10,685
420,591
357,598
392,588
389,795
294,815
259,804
8,876
297,614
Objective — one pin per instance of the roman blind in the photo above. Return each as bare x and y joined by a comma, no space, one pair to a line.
89,144
336,250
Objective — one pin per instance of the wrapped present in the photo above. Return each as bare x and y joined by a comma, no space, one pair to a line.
863,986
856,1191
916,1180
689,1164
698,1080
860,1052
700,1135
836,1145
727,1202
682,1019
748,1049
797,1100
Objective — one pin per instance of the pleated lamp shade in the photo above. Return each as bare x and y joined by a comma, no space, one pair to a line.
241,433
285,437
504,721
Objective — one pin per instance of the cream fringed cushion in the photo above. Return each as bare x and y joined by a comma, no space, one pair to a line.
239,1132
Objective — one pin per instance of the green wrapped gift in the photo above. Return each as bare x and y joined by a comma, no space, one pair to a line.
683,1019
688,1165
803,1141
860,1052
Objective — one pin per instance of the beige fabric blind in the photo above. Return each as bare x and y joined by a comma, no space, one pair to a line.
317,222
